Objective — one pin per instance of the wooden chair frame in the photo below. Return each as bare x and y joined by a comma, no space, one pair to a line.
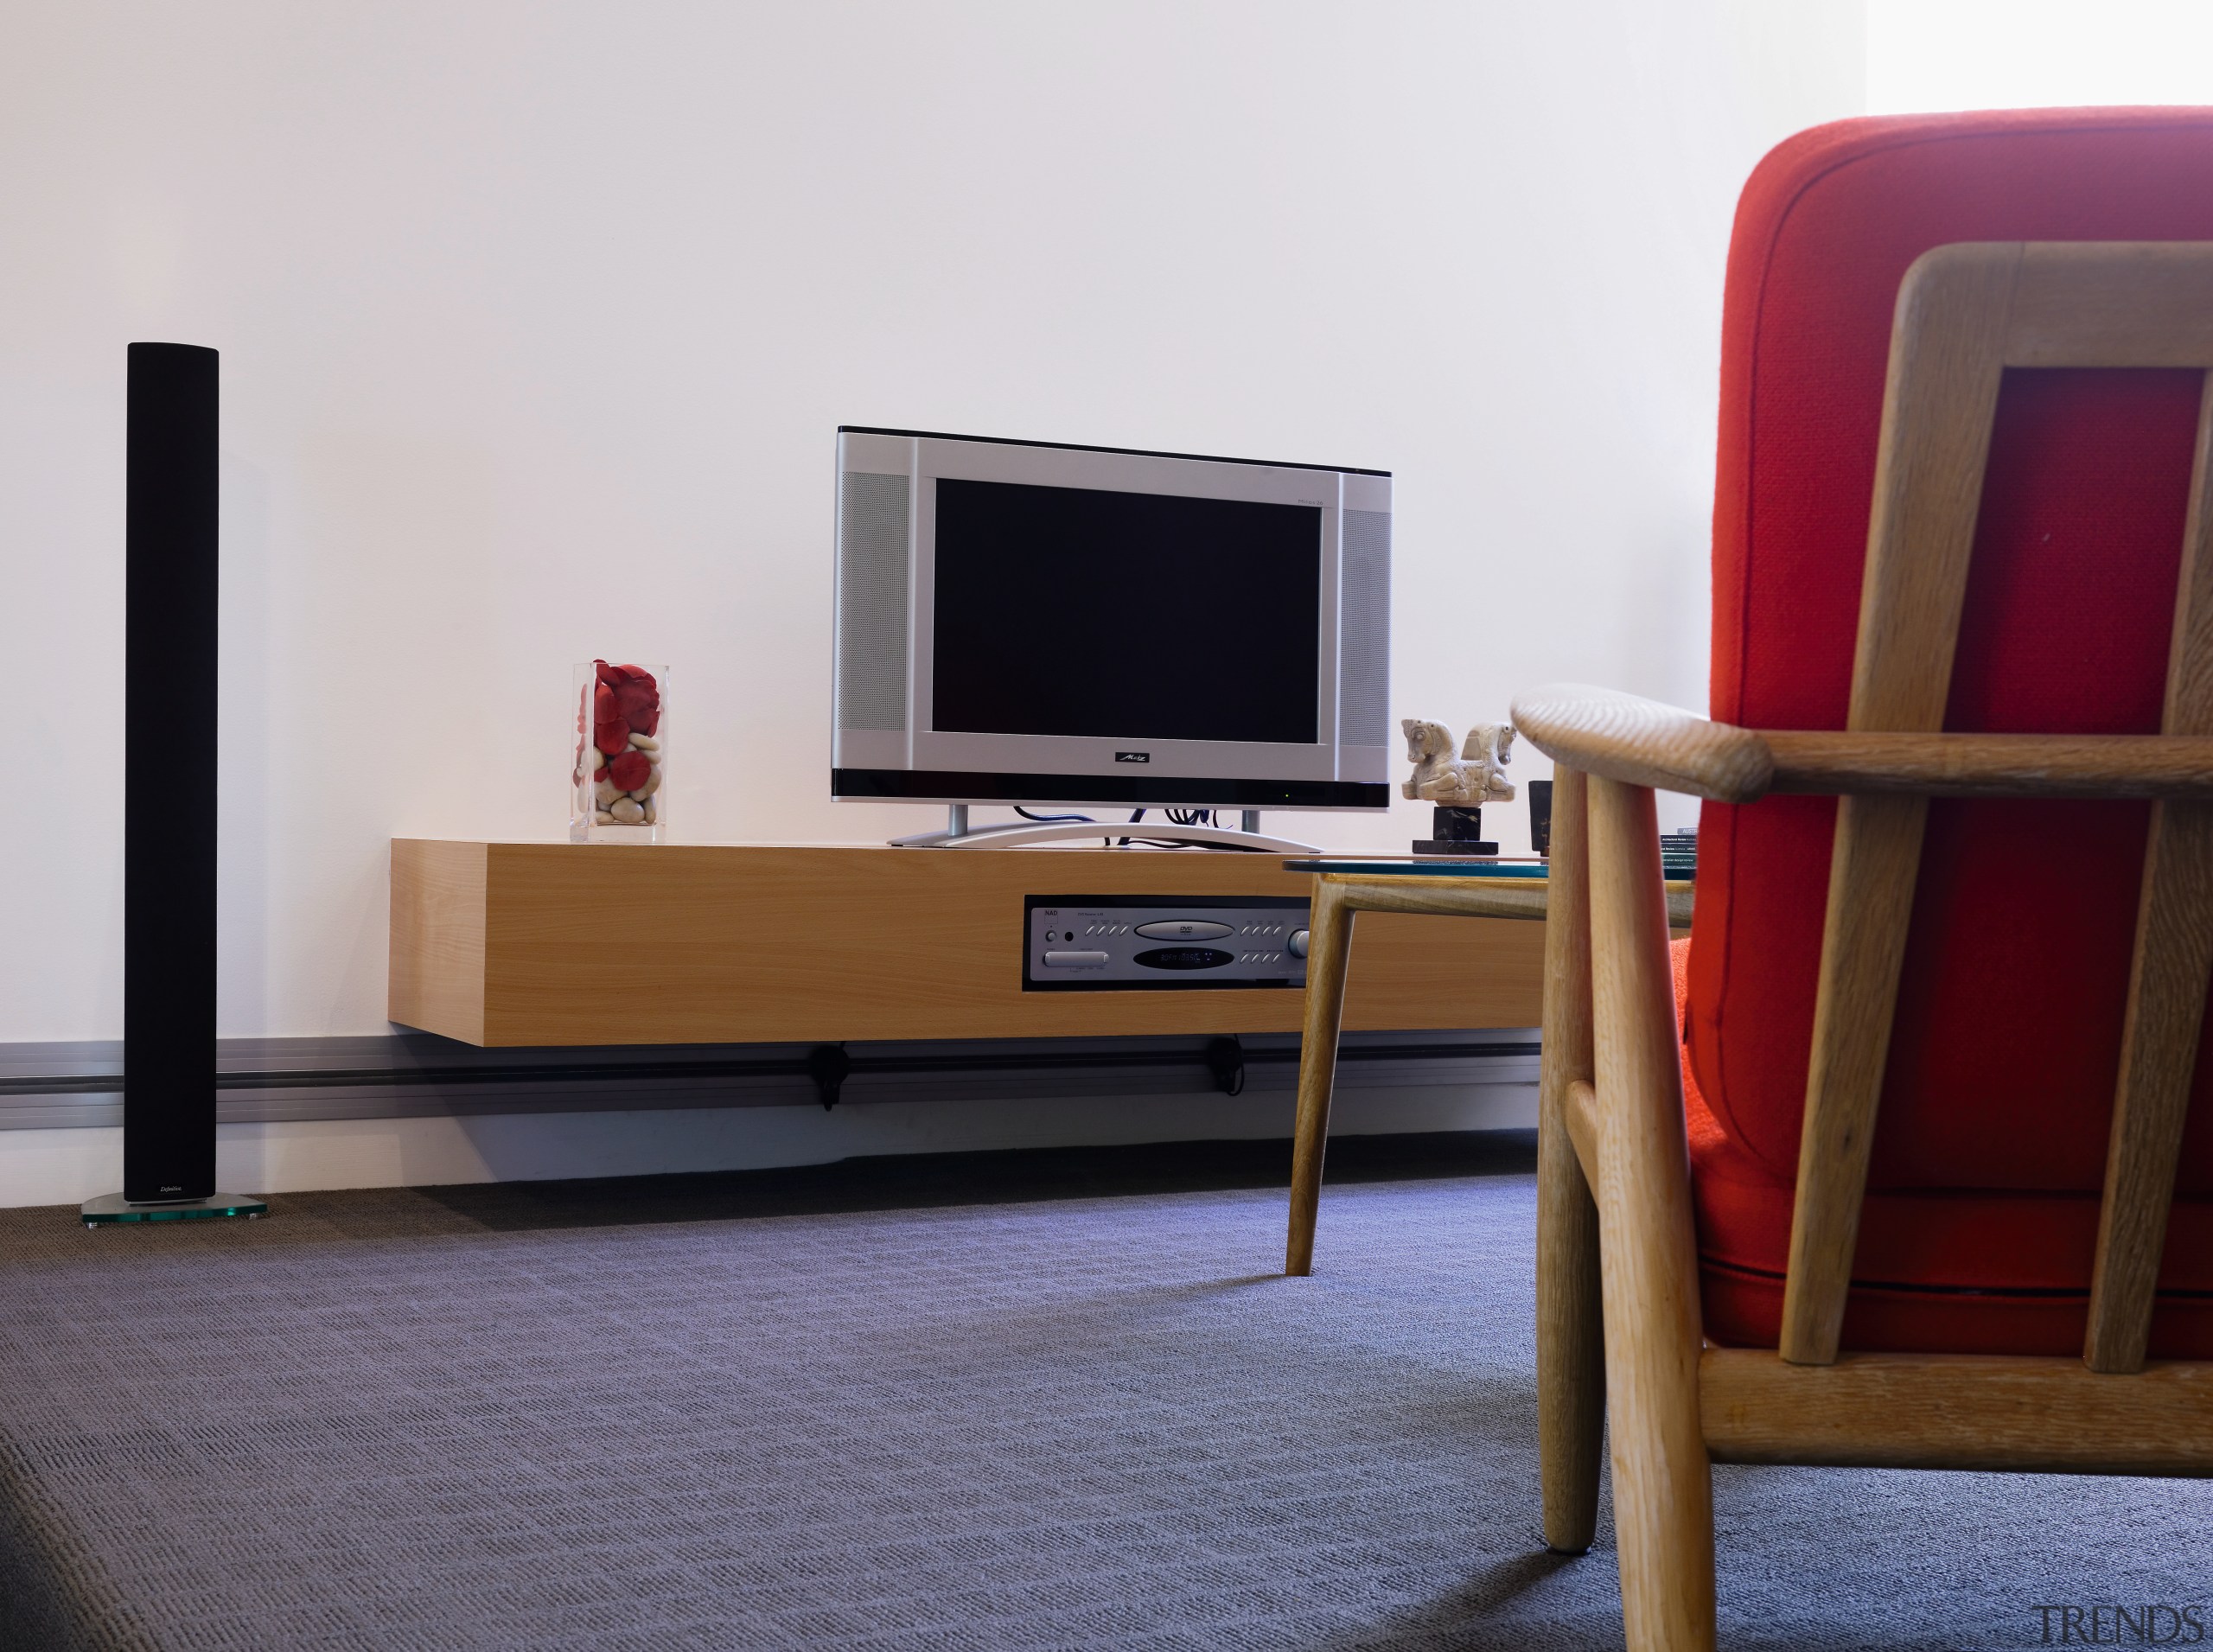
1614,1175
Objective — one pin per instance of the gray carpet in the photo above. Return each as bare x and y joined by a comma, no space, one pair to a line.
487,1419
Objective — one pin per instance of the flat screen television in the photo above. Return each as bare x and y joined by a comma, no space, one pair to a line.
1034,622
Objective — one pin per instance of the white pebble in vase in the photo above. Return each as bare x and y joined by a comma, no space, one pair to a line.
626,811
603,818
650,786
609,791
645,743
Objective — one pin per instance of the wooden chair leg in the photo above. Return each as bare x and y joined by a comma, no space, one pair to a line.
1571,1348
1663,1490
1329,948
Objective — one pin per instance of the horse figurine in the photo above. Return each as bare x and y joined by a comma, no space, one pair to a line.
1468,782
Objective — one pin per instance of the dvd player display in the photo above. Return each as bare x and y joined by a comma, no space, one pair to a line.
1077,943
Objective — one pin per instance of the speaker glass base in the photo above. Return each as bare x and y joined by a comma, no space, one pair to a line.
113,1206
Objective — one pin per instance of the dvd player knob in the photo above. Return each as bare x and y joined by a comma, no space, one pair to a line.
1299,943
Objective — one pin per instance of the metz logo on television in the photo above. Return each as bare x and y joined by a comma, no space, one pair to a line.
1133,756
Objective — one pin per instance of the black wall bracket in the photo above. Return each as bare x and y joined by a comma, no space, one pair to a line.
829,1067
1226,1061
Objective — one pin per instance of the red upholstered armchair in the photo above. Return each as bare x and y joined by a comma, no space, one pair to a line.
1922,1175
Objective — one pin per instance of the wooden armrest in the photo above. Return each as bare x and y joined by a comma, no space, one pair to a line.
1625,737
1994,765
1644,743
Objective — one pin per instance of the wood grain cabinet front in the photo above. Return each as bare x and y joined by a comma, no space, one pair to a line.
549,944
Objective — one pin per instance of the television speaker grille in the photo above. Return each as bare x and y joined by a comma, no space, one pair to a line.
872,514
1364,645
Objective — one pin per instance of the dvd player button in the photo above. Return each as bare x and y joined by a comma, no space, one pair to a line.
1074,959
1183,930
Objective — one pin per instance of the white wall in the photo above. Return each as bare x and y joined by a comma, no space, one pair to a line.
1934,54
537,319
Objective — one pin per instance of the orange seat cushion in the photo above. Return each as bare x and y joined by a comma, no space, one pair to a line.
1988,1162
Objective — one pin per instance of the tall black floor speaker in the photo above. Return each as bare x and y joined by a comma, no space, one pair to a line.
171,584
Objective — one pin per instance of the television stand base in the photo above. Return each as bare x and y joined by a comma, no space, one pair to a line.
958,834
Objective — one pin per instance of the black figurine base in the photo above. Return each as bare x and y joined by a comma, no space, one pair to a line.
113,1206
1456,831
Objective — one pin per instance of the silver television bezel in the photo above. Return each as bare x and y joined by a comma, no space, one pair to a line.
921,749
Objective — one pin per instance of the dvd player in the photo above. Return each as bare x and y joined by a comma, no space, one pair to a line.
1077,943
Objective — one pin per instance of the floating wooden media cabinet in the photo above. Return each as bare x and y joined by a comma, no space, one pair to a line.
557,943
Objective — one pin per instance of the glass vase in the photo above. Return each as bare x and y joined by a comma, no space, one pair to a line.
618,755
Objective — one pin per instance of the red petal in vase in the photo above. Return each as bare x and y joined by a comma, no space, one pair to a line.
646,722
603,704
609,674
629,770
640,674
600,772
612,737
631,698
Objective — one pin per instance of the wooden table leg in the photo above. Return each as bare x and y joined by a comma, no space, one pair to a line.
1329,948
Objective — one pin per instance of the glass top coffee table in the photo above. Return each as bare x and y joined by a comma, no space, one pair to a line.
1419,865
1429,885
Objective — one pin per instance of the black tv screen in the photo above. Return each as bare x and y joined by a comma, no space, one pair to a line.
1125,615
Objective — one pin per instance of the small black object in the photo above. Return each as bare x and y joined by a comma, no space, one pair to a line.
829,1067
168,784
1226,1058
1541,818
